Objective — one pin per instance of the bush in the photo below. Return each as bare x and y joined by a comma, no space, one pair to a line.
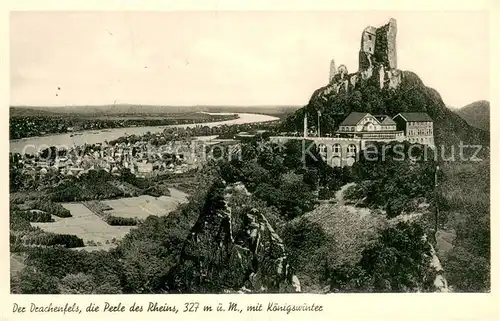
36,217
32,281
157,191
123,221
90,186
55,209
79,283
16,244
388,182
353,192
51,239
18,222
467,272
398,262
308,247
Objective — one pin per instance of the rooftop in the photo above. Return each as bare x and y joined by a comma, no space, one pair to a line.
385,120
417,117
353,119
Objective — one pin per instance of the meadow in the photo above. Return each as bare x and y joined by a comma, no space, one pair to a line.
86,225
96,233
142,206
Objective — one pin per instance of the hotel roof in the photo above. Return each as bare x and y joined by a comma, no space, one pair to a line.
385,120
417,117
353,119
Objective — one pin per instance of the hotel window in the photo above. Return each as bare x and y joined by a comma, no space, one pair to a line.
322,150
336,148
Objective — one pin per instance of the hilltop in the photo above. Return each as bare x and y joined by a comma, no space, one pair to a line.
410,96
379,87
30,112
476,114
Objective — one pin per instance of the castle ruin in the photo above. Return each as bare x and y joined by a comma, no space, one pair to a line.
377,58
378,47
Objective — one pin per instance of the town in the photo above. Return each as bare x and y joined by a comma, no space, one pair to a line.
145,157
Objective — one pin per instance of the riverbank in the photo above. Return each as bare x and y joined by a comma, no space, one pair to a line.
39,126
77,125
32,144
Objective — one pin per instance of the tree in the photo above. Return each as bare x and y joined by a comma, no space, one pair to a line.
467,272
79,283
32,281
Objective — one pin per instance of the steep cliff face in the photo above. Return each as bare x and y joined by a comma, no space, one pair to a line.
233,248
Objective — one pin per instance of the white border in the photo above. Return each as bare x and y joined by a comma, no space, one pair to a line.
338,306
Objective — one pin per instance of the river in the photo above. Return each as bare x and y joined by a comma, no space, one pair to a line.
34,144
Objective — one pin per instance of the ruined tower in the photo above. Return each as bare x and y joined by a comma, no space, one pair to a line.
333,70
378,47
377,61
378,55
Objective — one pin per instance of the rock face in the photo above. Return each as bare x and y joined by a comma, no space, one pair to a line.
333,70
233,248
385,45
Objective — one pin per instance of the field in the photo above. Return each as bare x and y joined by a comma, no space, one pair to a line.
91,228
85,225
145,205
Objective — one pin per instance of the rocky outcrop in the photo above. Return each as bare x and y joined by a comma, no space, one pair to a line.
380,89
377,58
233,248
333,70
378,47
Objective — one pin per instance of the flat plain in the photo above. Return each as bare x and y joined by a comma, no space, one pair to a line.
102,236
143,206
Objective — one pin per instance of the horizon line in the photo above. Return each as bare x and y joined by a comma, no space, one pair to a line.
148,105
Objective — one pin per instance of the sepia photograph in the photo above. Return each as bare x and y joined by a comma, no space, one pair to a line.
258,152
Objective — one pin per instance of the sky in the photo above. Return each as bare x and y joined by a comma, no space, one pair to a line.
230,58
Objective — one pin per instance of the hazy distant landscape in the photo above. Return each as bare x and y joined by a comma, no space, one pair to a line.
145,110
476,114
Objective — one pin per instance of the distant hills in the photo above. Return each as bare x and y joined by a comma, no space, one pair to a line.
130,109
476,114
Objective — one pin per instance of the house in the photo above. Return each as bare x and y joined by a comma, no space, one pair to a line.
74,171
144,167
42,164
368,127
417,127
386,122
